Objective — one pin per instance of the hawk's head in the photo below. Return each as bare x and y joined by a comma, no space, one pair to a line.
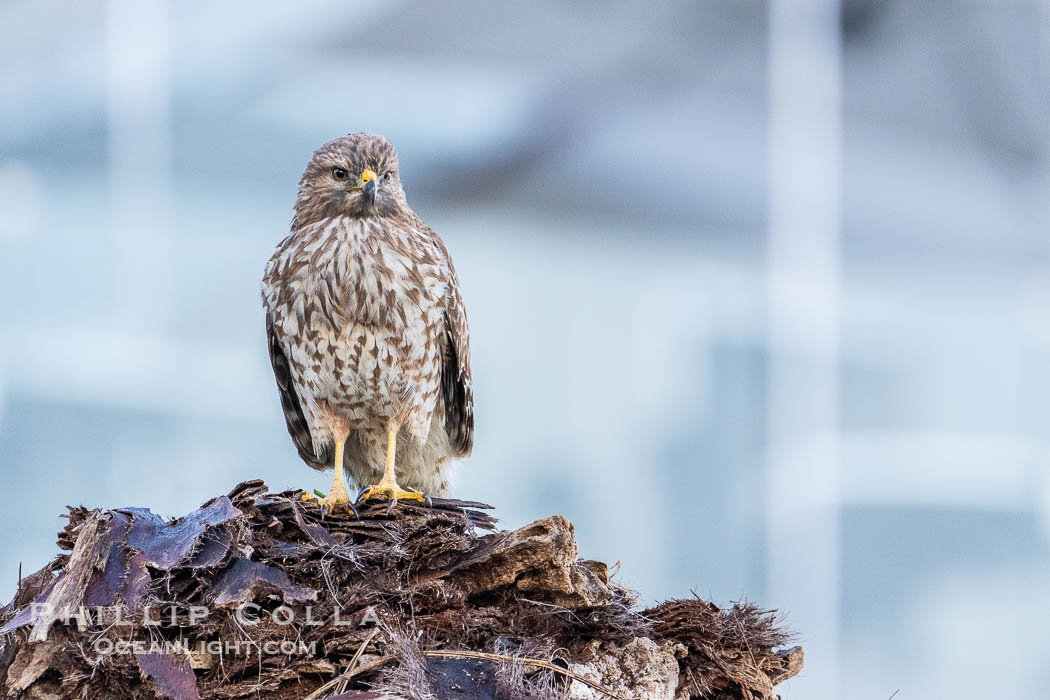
353,175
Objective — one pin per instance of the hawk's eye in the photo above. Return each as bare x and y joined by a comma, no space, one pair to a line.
339,173
388,175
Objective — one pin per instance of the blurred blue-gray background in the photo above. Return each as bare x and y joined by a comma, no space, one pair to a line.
759,292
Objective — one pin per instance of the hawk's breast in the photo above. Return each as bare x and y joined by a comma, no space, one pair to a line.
359,307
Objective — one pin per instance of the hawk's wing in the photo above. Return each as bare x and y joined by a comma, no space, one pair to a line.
293,412
456,388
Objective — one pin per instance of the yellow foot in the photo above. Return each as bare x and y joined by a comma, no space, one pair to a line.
393,492
336,499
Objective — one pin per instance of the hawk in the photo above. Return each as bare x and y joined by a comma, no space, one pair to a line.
367,330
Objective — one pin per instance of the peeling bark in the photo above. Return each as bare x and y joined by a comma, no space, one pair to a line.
254,595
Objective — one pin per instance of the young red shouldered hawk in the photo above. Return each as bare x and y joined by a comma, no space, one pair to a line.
367,330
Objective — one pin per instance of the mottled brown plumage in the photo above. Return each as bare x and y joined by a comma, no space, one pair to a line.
367,330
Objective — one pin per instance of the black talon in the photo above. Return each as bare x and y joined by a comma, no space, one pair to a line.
350,507
390,506
361,493
427,500
322,511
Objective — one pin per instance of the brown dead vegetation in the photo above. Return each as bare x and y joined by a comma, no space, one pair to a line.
254,595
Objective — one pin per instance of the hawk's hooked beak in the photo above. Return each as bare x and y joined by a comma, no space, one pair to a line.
368,185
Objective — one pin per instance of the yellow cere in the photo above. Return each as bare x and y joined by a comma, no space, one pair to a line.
367,175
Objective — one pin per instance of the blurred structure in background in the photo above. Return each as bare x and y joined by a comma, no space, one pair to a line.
793,264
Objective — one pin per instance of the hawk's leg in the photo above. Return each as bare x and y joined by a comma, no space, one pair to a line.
337,495
387,486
